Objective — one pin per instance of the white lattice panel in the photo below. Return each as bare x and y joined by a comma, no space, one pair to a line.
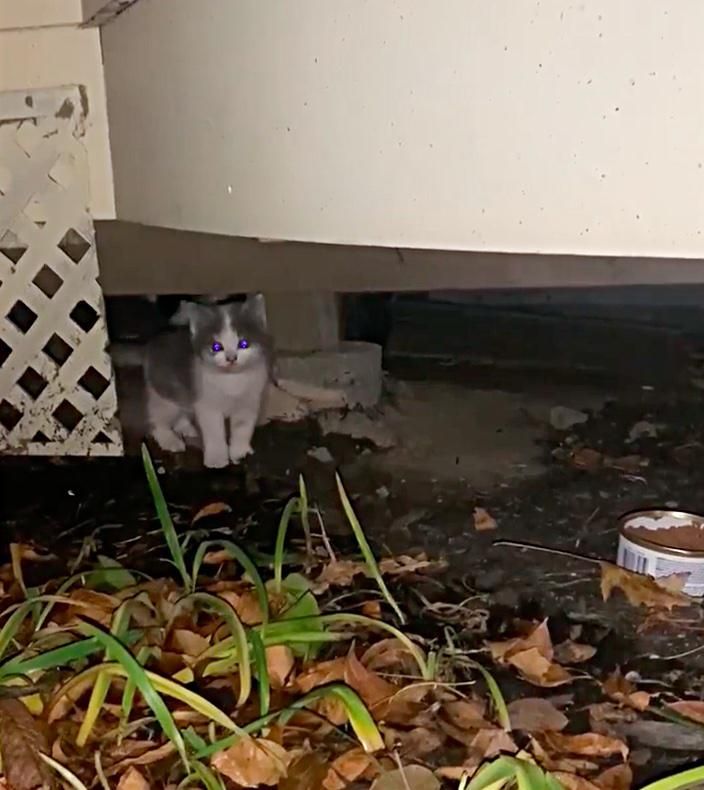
57,388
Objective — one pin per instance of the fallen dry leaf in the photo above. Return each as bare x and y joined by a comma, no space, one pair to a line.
538,637
188,642
586,458
690,709
332,709
320,674
213,509
630,464
374,690
416,743
252,762
489,743
389,654
617,687
308,771
466,714
532,656
569,652
589,744
21,742
402,564
279,664
618,777
673,583
536,669
92,604
371,609
153,755
571,781
132,779
639,590
483,520
534,714
246,605
410,777
347,768
339,573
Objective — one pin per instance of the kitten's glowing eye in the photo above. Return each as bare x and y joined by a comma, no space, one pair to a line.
216,347
244,343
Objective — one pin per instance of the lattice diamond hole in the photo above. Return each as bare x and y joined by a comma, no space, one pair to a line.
40,438
11,246
22,316
5,352
48,281
68,415
9,415
57,349
101,438
73,245
32,383
93,382
84,316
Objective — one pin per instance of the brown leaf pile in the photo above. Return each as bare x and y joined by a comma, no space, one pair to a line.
437,730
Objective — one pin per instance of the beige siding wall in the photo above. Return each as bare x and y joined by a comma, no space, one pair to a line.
513,125
51,57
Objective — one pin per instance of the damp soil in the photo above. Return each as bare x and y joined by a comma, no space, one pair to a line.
83,508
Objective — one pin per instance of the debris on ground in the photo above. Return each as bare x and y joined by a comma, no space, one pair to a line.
562,418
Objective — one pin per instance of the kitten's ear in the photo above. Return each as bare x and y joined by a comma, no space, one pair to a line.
193,314
254,309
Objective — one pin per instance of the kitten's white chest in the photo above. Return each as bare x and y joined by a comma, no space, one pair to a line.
231,391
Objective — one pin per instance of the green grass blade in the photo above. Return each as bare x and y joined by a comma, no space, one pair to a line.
236,553
118,627
500,769
281,628
13,625
259,656
360,719
58,657
82,577
497,698
291,506
239,635
678,781
365,548
162,512
143,655
118,652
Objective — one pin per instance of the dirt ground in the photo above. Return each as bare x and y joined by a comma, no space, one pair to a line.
471,430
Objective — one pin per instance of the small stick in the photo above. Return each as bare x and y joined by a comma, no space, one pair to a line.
547,550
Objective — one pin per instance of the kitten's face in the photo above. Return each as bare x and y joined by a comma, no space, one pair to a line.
229,337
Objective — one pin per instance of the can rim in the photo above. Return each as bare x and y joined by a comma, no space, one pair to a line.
658,547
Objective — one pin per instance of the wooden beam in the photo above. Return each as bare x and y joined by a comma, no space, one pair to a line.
140,259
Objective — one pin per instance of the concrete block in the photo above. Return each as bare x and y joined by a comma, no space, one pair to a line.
351,368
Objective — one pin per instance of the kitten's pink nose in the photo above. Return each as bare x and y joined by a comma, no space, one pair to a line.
231,358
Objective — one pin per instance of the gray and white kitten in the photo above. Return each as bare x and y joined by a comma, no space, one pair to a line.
207,377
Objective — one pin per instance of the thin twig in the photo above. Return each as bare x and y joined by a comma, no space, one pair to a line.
324,536
548,550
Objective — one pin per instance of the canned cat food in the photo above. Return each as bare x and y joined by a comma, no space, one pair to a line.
662,543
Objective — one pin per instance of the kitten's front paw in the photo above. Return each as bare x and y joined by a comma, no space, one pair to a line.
238,452
216,459
185,428
168,440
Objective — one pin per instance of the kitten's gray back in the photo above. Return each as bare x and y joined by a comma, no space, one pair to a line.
169,367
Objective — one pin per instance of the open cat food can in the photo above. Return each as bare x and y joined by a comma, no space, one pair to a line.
662,543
